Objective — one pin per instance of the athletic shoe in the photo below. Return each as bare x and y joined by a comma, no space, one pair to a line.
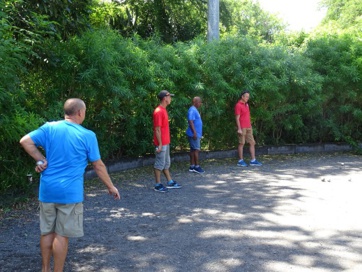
199,170
242,163
255,163
160,188
173,185
192,169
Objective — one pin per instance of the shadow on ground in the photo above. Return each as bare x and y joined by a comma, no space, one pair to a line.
295,213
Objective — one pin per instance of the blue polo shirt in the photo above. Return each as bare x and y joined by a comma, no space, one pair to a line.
68,147
194,115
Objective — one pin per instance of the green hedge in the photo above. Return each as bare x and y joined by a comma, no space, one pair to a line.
304,95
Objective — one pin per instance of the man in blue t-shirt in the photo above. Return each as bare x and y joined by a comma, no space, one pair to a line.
194,134
68,147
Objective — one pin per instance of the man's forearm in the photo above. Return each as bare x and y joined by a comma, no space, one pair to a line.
158,135
237,119
192,126
102,173
30,148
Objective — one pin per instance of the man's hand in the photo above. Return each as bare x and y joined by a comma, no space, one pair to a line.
102,173
41,167
114,192
240,131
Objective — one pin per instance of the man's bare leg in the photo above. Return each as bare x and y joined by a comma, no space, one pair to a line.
46,247
252,151
192,157
157,175
167,174
240,151
60,251
196,157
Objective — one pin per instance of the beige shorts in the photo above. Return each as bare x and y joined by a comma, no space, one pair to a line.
63,219
246,136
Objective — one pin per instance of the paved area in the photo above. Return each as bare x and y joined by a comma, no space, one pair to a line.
295,213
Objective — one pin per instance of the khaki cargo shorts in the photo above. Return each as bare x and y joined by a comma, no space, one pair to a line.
246,136
63,219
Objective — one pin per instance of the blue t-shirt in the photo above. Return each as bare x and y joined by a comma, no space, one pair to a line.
68,147
194,115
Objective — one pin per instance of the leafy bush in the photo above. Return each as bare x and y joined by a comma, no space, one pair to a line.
14,120
296,93
337,58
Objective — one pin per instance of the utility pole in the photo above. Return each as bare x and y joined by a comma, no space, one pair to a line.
213,20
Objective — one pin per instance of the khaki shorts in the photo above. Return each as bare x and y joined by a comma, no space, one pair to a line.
63,219
246,136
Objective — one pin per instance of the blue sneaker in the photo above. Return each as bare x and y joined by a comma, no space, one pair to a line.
199,170
192,168
173,185
255,163
160,188
242,163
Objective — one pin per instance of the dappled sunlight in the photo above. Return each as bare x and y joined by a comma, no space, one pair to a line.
142,262
147,214
292,219
116,213
231,216
223,264
212,233
136,238
93,249
220,182
91,195
278,266
213,187
208,211
185,220
271,219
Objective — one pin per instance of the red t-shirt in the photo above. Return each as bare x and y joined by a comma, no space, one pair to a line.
243,110
160,119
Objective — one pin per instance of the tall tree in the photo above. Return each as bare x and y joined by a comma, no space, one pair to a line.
183,20
345,13
248,18
67,17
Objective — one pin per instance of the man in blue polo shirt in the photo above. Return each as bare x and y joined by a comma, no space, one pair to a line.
194,134
68,147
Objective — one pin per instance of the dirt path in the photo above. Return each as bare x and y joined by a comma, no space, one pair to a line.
295,213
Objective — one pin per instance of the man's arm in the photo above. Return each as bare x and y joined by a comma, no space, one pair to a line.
30,148
237,119
102,173
159,140
192,126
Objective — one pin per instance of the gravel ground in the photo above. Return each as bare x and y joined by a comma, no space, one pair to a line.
295,213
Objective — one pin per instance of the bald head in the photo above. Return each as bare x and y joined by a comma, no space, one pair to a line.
196,101
72,106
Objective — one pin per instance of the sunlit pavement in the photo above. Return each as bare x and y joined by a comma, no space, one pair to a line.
295,213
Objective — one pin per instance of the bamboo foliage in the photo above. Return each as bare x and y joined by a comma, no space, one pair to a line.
304,88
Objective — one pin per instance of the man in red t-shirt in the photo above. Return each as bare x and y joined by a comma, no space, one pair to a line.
245,131
161,140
